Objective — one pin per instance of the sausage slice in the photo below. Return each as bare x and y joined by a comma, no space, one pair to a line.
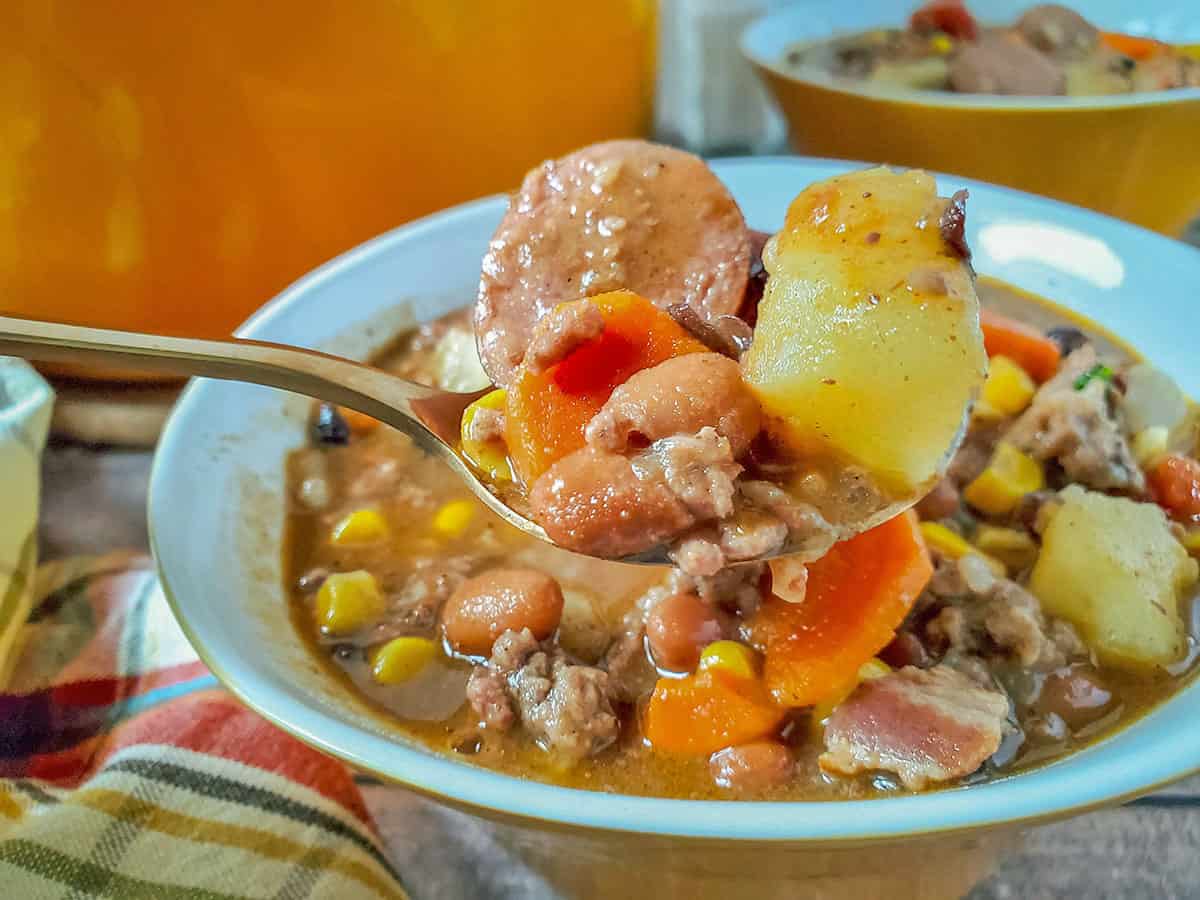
621,214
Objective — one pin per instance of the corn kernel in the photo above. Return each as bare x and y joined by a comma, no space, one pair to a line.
347,601
941,44
401,659
1015,548
948,543
489,457
940,538
363,526
1007,389
871,669
1149,444
1009,476
733,657
454,518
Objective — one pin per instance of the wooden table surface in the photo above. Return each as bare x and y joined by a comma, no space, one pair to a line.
95,500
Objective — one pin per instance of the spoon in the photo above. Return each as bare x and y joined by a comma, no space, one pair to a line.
431,417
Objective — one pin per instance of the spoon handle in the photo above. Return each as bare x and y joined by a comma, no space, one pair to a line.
412,408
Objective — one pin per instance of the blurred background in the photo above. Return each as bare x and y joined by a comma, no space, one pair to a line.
170,167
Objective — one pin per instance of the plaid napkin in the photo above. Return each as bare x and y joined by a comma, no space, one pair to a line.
25,404
126,772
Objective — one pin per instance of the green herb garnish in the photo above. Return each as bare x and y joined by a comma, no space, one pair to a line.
1101,371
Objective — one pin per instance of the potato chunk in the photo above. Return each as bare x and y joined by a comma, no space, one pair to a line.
868,347
1112,567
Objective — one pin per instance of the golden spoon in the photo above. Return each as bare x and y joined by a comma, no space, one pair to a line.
431,417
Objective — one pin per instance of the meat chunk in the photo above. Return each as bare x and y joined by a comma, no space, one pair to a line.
486,425
679,396
561,331
565,707
697,468
748,534
996,617
621,214
1058,30
1004,63
738,589
751,534
923,725
630,675
699,555
487,692
810,533
1080,429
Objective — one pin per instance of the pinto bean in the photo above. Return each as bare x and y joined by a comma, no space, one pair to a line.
752,767
678,627
593,502
484,607
679,396
1077,694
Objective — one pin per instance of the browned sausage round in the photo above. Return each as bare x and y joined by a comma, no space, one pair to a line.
678,628
1003,63
486,606
622,214
679,396
752,767
592,502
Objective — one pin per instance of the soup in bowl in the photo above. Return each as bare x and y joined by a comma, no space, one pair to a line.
1115,140
1054,727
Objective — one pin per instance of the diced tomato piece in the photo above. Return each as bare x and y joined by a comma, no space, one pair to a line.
949,16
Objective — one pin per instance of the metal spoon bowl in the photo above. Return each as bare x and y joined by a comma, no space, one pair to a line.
431,417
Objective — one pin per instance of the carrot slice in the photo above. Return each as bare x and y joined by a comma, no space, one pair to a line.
548,411
857,596
1025,345
1175,481
1131,45
708,711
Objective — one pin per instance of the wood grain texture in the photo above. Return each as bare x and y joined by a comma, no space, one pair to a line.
95,500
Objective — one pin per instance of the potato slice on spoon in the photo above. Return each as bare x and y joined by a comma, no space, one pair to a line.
867,352
866,356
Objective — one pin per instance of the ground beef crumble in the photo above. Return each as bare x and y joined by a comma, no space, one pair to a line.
564,706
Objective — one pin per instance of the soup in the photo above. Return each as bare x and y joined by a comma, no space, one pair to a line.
1041,597
1050,50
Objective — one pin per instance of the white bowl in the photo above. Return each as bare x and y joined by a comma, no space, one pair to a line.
216,510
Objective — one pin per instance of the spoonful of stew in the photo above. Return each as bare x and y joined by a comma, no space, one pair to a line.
659,394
